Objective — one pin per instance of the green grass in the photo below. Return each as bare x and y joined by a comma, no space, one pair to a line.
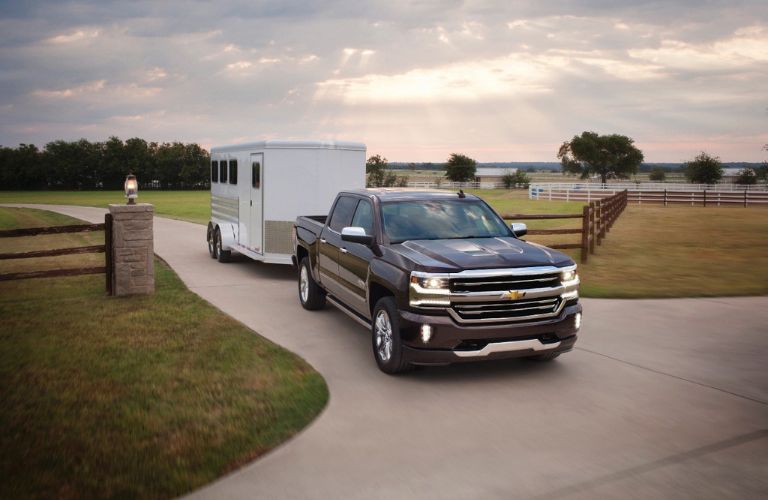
652,251
144,396
193,206
656,251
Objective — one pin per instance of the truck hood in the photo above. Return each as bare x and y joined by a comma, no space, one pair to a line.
479,253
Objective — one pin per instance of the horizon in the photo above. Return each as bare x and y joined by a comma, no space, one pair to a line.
492,80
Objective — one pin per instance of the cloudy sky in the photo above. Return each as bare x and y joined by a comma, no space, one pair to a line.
499,80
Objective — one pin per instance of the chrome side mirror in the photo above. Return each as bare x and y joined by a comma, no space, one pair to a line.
519,229
356,235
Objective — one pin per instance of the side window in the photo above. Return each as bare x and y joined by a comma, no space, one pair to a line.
233,171
363,217
214,171
256,175
223,170
342,213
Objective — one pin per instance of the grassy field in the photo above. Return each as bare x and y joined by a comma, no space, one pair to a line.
652,251
194,206
146,396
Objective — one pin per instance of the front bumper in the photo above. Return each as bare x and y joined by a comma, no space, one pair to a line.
454,343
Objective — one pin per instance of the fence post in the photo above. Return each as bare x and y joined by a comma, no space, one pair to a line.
585,233
591,227
109,261
745,197
665,197
705,197
600,222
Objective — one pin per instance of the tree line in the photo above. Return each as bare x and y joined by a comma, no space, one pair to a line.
83,165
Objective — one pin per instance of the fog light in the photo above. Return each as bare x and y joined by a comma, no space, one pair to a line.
577,321
426,333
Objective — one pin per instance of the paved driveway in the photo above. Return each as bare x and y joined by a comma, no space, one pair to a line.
661,399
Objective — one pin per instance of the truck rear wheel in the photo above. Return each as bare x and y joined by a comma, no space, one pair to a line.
311,296
221,254
385,330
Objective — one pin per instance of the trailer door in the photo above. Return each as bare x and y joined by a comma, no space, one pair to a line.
257,202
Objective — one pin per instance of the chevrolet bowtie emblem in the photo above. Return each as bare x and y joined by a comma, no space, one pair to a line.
512,295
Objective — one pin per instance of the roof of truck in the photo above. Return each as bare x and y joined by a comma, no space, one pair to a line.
391,194
273,144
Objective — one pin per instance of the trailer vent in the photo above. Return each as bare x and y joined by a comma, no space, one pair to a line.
277,236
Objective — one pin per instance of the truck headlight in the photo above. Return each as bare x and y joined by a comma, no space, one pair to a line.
428,290
430,283
568,275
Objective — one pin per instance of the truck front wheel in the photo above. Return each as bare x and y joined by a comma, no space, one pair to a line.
385,329
311,296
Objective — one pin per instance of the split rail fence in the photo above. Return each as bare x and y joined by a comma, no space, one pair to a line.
597,218
106,249
726,195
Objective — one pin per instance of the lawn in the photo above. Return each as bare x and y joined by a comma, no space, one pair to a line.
194,206
144,396
652,251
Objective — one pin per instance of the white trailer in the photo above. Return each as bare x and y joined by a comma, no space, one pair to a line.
258,189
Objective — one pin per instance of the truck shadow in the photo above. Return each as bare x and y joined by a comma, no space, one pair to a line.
485,370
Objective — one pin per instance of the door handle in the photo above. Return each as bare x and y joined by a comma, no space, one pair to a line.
322,240
343,250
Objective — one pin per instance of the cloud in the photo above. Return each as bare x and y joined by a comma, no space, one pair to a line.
496,79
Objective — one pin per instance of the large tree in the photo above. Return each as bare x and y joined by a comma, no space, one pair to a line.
460,168
609,156
374,168
704,169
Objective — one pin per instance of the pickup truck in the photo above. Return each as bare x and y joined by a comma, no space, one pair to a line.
438,277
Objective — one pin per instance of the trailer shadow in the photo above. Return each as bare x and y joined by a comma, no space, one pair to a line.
260,270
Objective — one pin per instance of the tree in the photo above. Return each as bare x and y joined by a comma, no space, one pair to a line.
374,168
704,169
657,174
746,177
609,156
460,168
518,179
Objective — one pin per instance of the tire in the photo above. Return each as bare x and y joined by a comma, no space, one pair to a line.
311,296
385,336
542,358
222,255
211,244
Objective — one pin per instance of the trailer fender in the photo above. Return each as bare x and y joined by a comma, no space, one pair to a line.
228,236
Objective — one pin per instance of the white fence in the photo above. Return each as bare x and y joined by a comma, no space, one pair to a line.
653,192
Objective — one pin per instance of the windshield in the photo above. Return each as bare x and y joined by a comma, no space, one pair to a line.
440,219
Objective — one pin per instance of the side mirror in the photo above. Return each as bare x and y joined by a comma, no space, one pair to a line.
519,229
356,235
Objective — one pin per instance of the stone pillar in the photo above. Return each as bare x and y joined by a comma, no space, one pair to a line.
132,249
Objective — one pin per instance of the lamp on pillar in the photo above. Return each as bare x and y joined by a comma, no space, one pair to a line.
131,189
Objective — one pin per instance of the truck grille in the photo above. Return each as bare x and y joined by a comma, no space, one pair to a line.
510,295
503,283
506,310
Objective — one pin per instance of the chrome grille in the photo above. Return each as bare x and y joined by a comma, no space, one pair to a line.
504,283
507,310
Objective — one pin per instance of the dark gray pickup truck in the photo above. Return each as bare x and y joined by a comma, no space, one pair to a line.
438,277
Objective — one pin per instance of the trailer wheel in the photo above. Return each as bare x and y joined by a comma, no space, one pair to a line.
311,296
385,329
211,243
221,254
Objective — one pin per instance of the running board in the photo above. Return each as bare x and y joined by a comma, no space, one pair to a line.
348,311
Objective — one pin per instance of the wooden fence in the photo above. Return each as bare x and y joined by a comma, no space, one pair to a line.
700,198
717,196
106,249
597,217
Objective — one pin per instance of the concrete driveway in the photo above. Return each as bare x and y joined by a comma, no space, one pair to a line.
660,399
